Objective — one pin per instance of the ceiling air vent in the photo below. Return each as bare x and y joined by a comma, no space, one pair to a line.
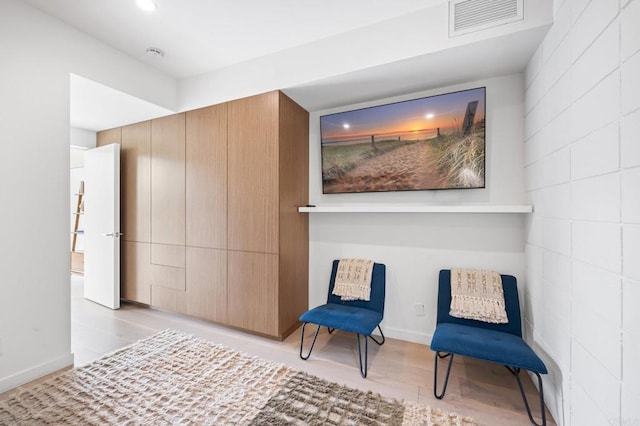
466,16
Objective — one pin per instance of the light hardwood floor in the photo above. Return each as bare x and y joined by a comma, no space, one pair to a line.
398,369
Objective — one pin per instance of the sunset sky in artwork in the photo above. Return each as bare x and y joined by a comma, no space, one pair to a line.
443,111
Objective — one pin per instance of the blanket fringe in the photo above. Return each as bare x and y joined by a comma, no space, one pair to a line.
478,308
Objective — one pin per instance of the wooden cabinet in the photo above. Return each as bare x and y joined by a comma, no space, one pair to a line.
169,299
206,177
136,273
168,180
135,212
207,284
293,181
135,182
253,292
253,174
210,216
268,180
107,137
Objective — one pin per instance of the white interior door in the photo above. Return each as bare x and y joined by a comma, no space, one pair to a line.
102,225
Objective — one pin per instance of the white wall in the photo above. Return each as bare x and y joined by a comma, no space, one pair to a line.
582,163
76,157
82,138
416,246
38,54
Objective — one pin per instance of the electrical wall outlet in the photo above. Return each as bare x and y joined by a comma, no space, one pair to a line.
419,309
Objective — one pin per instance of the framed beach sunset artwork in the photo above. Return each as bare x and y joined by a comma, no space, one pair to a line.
437,142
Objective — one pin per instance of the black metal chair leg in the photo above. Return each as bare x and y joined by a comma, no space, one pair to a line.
312,343
363,370
435,375
380,343
516,372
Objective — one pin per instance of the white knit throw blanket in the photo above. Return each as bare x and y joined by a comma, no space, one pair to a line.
477,294
353,279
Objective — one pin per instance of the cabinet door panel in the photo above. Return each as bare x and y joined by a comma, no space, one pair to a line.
136,272
253,174
167,255
135,188
168,299
168,277
107,137
253,291
294,192
207,284
206,177
168,180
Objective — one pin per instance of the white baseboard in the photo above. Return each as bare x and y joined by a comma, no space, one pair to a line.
36,372
408,336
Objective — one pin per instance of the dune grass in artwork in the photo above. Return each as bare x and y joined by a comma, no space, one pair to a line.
460,160
428,143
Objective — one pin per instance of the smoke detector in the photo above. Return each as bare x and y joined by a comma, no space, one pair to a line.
154,52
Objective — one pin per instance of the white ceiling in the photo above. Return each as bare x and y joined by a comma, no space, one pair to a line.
490,58
200,36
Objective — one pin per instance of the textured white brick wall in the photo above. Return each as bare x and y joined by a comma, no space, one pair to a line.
582,170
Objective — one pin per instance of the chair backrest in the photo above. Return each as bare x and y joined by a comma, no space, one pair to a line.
511,301
376,299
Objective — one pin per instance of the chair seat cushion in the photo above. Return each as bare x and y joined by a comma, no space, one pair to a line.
488,345
344,317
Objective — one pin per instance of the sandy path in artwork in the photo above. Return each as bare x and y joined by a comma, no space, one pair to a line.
405,168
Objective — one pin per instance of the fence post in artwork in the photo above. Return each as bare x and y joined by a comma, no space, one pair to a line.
373,144
438,132
468,117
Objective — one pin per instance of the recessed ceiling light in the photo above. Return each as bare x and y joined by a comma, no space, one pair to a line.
147,5
155,52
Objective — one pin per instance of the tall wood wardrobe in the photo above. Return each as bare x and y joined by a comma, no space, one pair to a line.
209,203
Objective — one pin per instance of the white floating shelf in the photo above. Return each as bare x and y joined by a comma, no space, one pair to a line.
395,208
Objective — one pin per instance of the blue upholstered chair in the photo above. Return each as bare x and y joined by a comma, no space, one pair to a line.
499,343
356,316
